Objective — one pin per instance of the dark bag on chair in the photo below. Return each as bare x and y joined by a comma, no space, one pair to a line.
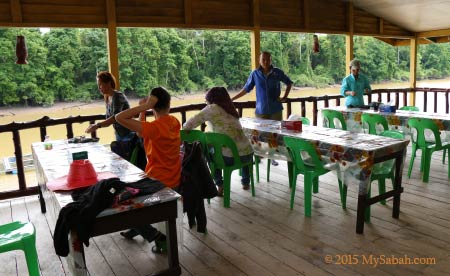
196,185
131,150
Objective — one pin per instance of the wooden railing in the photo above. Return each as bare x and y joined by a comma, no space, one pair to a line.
293,105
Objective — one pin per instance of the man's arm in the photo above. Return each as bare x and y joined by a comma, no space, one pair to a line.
238,95
286,93
247,87
345,89
142,116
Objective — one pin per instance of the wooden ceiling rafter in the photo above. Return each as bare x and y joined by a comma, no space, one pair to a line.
304,16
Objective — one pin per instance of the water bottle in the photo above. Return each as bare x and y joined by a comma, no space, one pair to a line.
47,144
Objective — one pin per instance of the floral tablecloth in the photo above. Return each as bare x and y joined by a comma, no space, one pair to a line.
396,121
55,162
353,152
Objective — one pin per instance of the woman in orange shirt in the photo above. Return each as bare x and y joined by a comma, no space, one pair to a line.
161,143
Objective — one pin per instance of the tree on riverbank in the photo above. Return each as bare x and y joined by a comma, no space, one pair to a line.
63,62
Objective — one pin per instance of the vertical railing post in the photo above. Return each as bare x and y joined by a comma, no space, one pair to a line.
315,110
19,160
289,109
183,117
69,129
43,132
425,102
435,101
446,101
303,108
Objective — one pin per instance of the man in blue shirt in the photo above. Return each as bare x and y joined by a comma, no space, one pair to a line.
354,86
267,80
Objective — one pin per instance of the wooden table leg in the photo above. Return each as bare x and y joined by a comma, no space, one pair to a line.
362,204
172,251
42,200
398,184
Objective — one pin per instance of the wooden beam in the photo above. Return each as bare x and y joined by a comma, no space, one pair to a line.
407,42
443,32
113,52
381,25
188,12
431,39
349,38
16,11
412,70
255,35
443,39
306,13
389,41
255,14
255,38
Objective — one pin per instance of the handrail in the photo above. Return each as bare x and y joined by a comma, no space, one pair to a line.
45,121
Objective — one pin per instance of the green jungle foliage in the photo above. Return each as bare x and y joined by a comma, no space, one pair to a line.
63,62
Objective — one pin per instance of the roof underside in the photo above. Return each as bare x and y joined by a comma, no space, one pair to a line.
390,20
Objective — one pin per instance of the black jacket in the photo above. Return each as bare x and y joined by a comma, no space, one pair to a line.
89,202
196,185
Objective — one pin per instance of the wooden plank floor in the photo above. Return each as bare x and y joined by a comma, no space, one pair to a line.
262,236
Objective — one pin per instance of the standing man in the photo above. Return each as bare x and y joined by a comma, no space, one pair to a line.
268,90
354,86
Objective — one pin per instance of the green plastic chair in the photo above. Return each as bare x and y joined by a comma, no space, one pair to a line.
311,168
306,122
193,135
218,141
409,108
427,147
331,115
21,236
384,170
415,108
373,120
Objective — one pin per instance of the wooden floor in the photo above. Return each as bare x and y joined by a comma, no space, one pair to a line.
262,236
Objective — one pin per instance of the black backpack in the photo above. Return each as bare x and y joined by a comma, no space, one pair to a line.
131,150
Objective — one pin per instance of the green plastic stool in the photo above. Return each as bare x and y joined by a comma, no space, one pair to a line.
373,120
21,236
330,115
311,169
218,141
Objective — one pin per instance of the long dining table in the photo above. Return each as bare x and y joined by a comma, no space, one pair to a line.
54,162
355,153
397,120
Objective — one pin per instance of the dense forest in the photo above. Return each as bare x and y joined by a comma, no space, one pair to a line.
63,62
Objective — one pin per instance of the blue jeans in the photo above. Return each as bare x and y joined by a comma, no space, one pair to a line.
245,180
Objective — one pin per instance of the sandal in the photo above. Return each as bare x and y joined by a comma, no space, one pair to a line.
130,234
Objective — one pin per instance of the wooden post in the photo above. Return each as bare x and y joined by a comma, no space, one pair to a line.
113,52
412,70
256,44
349,39
255,36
